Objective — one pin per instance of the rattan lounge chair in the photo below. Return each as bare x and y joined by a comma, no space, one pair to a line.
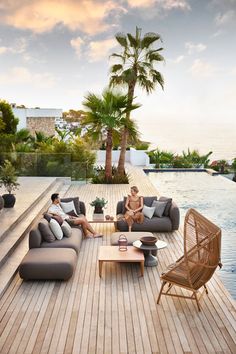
202,244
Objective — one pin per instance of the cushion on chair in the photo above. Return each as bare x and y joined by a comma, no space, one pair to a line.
48,264
76,204
168,205
66,229
46,232
56,229
159,207
148,211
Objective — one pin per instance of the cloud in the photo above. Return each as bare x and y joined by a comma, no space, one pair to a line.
88,16
99,50
194,48
18,47
22,75
202,68
162,4
178,60
225,18
77,44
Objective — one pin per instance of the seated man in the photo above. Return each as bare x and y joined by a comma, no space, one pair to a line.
56,209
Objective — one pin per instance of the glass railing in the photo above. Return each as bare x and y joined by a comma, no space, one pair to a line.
45,164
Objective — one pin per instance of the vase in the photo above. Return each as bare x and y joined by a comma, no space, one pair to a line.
9,200
98,209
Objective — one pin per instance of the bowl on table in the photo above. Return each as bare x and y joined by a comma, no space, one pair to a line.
148,240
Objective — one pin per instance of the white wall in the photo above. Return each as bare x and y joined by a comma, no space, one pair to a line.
139,157
135,157
23,113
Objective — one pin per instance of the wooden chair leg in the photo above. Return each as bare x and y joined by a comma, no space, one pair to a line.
159,296
206,289
196,298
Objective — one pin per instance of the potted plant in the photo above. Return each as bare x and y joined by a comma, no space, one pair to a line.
8,179
98,204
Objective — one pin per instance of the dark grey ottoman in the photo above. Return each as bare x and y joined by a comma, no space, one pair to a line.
48,264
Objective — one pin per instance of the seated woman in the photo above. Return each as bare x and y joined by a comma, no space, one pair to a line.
134,206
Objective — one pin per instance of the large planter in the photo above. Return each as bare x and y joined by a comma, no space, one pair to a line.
1,203
9,200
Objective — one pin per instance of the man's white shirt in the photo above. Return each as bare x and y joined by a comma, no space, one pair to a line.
57,209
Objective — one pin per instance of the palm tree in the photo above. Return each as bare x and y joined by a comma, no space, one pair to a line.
135,67
104,115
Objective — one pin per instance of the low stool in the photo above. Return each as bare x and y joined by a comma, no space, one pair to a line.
48,264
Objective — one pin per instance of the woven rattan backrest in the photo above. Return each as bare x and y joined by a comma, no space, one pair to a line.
202,244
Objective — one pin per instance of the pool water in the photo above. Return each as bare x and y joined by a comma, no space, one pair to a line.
215,198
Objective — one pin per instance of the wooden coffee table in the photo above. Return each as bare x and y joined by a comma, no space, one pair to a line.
112,254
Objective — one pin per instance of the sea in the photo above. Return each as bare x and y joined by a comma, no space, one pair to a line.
177,136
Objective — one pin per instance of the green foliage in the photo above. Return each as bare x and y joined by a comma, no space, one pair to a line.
99,177
162,158
159,157
8,118
142,145
8,176
234,165
100,202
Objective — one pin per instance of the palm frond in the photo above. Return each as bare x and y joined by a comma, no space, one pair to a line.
115,68
149,38
133,41
121,39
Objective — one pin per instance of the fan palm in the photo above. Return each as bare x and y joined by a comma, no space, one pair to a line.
135,67
104,115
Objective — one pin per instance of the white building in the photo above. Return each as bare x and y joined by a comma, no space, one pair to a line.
37,119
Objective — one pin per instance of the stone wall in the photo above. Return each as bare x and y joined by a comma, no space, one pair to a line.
43,124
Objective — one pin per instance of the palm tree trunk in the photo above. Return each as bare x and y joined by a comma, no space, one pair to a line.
121,163
108,163
125,133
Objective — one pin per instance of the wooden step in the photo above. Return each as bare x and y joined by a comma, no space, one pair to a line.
15,245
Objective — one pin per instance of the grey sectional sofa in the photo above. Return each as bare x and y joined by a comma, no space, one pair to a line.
168,222
52,260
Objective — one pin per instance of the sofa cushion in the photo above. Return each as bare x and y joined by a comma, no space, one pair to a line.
124,208
148,211
47,216
66,229
154,224
168,205
76,204
45,231
74,241
149,200
159,207
58,218
56,229
72,213
48,264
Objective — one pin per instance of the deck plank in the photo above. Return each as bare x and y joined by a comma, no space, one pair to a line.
116,313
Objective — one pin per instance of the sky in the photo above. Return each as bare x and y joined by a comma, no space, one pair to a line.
52,52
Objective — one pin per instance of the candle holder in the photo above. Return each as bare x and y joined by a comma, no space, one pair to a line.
122,243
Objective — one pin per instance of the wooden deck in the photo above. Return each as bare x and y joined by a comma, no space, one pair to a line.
118,312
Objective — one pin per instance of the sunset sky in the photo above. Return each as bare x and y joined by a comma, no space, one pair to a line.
52,52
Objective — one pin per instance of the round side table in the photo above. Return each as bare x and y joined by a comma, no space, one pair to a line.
150,259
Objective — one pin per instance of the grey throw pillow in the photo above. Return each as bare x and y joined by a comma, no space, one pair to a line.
46,233
168,205
66,229
159,208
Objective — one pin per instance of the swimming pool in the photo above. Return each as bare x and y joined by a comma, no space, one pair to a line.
215,198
